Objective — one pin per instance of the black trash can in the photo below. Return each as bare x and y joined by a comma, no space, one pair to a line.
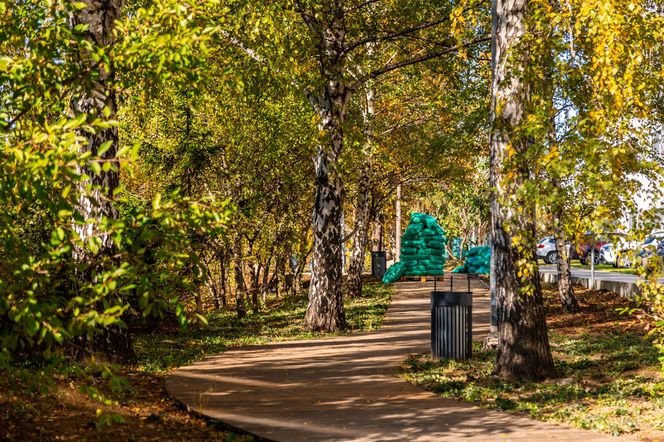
452,325
378,264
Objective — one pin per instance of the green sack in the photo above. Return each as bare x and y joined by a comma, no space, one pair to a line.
393,274
472,252
418,217
408,251
436,244
439,230
460,269
435,260
413,229
474,261
413,243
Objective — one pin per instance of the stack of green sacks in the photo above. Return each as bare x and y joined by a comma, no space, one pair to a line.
423,246
478,260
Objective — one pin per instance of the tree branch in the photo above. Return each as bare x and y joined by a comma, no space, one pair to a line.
414,60
394,35
244,48
361,5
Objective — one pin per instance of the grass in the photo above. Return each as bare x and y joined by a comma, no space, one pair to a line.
608,378
282,320
605,268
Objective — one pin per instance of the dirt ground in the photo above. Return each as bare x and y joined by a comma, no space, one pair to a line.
67,414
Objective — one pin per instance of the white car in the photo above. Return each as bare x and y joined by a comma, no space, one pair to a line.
546,250
621,252
608,255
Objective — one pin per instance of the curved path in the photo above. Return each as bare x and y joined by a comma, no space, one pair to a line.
347,387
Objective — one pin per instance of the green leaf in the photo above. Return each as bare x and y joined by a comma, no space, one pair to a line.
104,147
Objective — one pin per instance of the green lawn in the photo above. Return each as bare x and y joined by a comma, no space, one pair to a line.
608,377
282,320
604,268
599,388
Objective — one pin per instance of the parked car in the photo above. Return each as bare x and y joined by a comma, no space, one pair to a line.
546,250
607,255
650,244
611,252
653,244
583,250
621,253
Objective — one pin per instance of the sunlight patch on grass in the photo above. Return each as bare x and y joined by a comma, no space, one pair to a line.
607,382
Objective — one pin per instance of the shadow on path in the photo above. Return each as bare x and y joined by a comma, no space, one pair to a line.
347,387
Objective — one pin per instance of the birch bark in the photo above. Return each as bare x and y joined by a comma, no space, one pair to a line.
523,350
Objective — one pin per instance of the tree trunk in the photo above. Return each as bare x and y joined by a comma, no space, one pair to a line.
238,273
325,310
360,237
377,236
523,351
397,228
266,279
568,300
96,203
278,280
254,289
215,291
362,211
223,281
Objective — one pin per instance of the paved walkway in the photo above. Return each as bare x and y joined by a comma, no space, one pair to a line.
347,388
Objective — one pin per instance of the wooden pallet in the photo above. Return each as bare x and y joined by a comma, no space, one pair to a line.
422,278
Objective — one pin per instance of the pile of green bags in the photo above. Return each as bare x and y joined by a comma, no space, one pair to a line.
423,246
422,249
478,260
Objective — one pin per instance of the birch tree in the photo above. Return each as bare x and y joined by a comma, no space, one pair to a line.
97,21
523,351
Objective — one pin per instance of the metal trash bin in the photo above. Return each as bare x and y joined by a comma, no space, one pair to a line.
452,324
378,264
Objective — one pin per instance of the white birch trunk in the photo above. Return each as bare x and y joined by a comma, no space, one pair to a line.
325,310
523,351
97,192
362,210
